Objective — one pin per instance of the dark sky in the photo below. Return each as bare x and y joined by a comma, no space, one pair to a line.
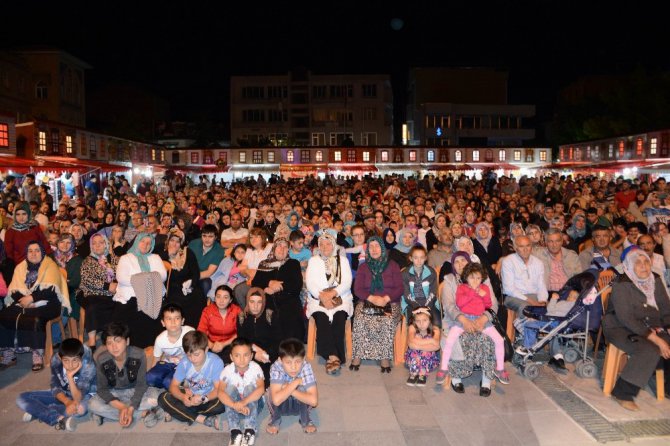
186,51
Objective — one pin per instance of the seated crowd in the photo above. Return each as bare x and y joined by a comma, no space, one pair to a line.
194,301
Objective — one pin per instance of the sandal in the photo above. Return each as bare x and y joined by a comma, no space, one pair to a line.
333,366
37,366
309,428
272,429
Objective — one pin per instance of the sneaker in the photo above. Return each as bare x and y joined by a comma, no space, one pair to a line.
522,351
27,418
60,424
502,375
441,377
97,419
70,424
249,437
421,381
153,416
411,381
236,438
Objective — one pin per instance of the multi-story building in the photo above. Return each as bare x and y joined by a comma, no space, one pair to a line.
464,107
304,109
7,133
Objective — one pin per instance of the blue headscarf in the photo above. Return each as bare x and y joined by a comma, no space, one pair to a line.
288,221
142,259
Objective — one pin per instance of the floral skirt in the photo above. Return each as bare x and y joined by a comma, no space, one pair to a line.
478,350
421,361
373,335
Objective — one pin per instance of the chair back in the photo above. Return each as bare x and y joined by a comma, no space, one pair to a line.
168,266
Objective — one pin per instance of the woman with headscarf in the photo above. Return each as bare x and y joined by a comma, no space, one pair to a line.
185,223
280,278
474,349
379,287
578,232
400,252
138,296
98,285
515,230
635,321
23,230
433,234
117,241
330,302
81,245
70,261
183,277
486,244
37,294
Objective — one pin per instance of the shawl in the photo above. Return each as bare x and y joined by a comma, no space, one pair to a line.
388,245
103,259
63,257
48,276
272,262
149,291
645,285
376,266
330,262
483,240
24,206
142,259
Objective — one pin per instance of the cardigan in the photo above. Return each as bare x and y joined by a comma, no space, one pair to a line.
127,267
391,278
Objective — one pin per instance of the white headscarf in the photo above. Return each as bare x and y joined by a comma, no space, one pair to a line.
645,285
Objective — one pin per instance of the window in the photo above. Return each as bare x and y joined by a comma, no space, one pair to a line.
175,157
207,157
351,156
369,114
55,141
571,153
68,144
369,90
369,138
92,147
319,91
277,92
337,156
253,92
253,115
257,157
195,158
588,152
444,156
517,155
4,135
271,156
277,115
242,157
41,91
289,156
412,155
622,149
341,91
638,147
458,156
397,156
305,156
502,155
430,156
153,154
336,139
596,152
223,156
385,156
318,139
530,155
366,157
162,152
652,146
543,155
475,155
610,151
488,156
319,156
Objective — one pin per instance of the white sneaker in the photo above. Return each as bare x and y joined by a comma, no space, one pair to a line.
27,418
236,438
249,438
70,424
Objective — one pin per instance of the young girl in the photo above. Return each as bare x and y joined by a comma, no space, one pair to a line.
473,298
422,355
219,322
420,285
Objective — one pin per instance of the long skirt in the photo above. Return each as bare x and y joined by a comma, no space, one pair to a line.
191,305
478,350
372,336
99,312
143,329
26,326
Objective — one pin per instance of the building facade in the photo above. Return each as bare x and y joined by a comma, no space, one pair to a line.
304,109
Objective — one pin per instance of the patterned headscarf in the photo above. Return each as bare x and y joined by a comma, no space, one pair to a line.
272,262
102,259
179,260
24,206
377,266
63,257
330,261
33,268
573,232
142,259
483,240
645,285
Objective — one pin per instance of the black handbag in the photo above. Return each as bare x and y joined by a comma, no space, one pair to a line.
371,309
509,348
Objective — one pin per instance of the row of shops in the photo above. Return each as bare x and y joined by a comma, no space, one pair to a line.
649,169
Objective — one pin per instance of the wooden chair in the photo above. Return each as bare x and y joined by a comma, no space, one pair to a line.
615,361
71,322
400,342
511,331
81,332
604,279
49,347
311,339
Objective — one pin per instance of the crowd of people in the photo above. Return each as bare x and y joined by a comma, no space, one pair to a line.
196,298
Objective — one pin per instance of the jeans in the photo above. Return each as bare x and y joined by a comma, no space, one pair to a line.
161,374
289,407
531,328
206,285
235,419
189,414
45,407
98,406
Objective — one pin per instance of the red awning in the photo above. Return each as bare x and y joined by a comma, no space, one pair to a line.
25,165
353,167
496,166
200,169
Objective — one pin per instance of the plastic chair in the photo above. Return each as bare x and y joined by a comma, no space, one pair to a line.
615,361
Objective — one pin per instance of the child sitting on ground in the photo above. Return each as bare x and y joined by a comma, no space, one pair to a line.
72,385
193,393
242,386
473,298
292,387
423,352
168,350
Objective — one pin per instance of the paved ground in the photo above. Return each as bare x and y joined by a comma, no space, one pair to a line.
364,408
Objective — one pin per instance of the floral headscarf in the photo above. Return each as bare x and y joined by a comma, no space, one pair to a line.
645,285
272,262
376,266
142,259
24,206
102,259
179,260
63,257
330,262
483,240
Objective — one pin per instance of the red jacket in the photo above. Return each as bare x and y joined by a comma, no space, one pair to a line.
470,302
16,241
215,326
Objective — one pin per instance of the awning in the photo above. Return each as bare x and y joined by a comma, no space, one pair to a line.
255,168
438,166
656,168
24,165
303,167
569,165
88,165
352,168
495,166
199,169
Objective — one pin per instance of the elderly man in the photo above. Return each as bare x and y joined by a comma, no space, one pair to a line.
442,253
601,253
523,278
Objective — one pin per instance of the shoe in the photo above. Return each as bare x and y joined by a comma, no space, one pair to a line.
97,419
386,369
60,424
458,388
249,437
353,367
484,391
521,351
27,418
215,421
37,366
441,377
628,405
8,364
153,416
411,381
421,382
70,424
236,438
558,364
502,375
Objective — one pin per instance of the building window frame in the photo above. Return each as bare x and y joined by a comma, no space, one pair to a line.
458,156
475,155
337,155
4,135
430,156
257,157
385,156
242,156
195,158
318,156
290,156
517,155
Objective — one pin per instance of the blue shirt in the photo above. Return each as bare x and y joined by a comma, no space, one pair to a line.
201,382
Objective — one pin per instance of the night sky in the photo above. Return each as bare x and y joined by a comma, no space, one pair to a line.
186,51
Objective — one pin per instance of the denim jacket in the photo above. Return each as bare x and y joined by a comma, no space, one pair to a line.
84,378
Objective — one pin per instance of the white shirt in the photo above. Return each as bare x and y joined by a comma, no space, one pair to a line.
172,352
520,279
253,257
315,282
129,265
231,377
230,234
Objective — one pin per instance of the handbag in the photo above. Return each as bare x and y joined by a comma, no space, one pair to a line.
509,349
371,309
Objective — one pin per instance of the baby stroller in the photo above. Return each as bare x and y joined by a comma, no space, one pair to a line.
571,331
